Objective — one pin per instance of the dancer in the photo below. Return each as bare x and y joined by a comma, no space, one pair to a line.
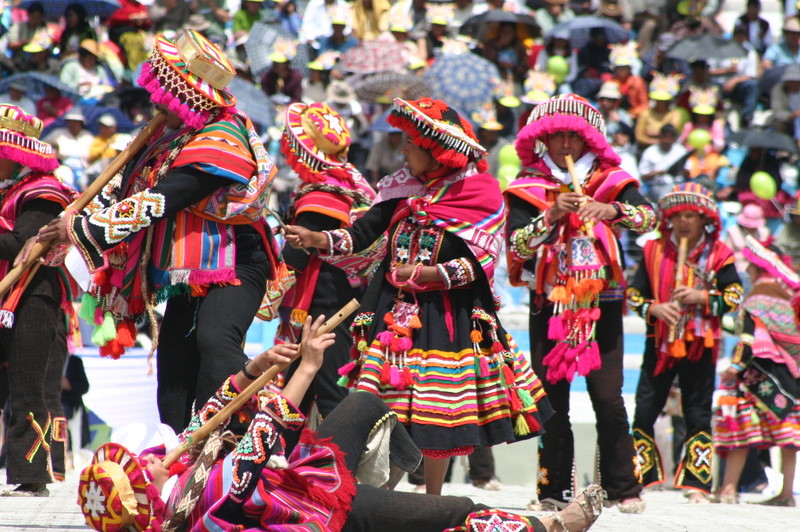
31,196
563,244
331,193
428,341
315,489
760,406
182,222
682,295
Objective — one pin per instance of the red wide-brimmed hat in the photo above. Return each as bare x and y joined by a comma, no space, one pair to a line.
316,138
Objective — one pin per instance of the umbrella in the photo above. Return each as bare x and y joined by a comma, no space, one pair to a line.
391,85
54,9
478,25
464,81
580,27
769,78
252,101
379,55
259,46
36,82
92,113
771,140
381,125
705,47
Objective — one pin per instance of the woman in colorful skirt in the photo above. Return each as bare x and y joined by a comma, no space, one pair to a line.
759,406
428,340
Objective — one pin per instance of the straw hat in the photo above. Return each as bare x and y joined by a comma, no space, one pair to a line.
609,90
19,140
188,76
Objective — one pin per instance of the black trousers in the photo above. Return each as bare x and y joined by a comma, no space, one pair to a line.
696,381
557,445
32,384
375,509
201,342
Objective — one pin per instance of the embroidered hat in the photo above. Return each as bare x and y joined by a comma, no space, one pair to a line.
19,140
188,76
316,137
486,118
703,101
689,197
770,259
664,87
435,126
116,495
565,112
623,54
539,87
609,90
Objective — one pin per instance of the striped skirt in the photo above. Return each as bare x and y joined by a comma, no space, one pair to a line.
752,427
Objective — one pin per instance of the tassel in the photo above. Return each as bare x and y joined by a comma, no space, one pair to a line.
475,336
344,381
394,377
521,426
515,404
476,365
689,335
555,329
497,347
388,318
408,378
404,344
126,333
556,355
88,306
362,345
508,376
414,322
385,374
298,316
708,339
677,349
385,338
593,352
347,368
484,366
395,345
177,469
533,423
98,316
525,397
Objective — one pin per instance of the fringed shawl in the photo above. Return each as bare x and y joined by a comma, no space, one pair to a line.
777,335
467,203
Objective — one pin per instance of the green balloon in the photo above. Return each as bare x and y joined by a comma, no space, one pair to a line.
508,156
763,185
558,67
506,174
699,138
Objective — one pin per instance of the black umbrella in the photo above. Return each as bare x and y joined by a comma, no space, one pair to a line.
580,28
769,78
757,138
705,46
478,25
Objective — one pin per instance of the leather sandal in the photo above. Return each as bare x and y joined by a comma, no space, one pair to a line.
590,501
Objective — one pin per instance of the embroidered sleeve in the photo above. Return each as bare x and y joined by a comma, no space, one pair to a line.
524,241
640,218
743,352
456,272
363,232
729,296
105,228
639,294
106,195
274,415
340,242
224,395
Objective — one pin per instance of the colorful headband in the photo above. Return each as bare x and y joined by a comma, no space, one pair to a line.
316,137
777,265
565,112
433,125
703,101
188,76
539,87
689,197
19,140
665,87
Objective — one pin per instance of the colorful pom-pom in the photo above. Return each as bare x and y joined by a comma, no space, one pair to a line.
475,336
414,322
385,374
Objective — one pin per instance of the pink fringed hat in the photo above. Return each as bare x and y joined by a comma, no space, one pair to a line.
188,76
116,495
771,260
436,127
316,138
689,197
19,140
565,112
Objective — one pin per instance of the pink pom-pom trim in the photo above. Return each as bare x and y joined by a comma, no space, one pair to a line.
596,141
160,96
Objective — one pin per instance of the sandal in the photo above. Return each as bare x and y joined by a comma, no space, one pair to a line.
633,506
546,505
697,497
725,499
590,502
778,501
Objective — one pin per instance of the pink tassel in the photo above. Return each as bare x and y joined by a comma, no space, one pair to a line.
556,355
594,314
448,315
347,368
98,315
385,338
555,329
568,315
497,347
394,377
731,424
508,376
593,353
404,344
569,372
484,366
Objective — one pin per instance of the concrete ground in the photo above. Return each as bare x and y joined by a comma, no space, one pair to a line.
666,511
